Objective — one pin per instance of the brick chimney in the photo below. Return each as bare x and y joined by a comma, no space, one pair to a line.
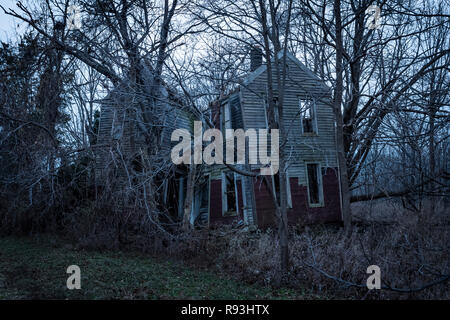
256,56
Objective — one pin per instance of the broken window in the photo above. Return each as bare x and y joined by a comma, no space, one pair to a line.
229,194
315,192
308,116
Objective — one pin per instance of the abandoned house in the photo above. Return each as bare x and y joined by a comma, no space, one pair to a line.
313,191
221,195
122,147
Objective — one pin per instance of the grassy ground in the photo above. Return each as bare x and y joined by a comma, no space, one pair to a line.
37,270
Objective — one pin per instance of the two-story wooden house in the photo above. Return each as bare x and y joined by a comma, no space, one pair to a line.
122,146
313,188
221,195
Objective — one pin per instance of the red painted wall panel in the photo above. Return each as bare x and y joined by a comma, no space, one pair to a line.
300,212
215,204
265,209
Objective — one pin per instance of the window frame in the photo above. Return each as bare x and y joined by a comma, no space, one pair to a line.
266,108
302,102
225,198
321,202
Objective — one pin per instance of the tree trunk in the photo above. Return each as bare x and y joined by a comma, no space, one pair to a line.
337,103
432,167
283,224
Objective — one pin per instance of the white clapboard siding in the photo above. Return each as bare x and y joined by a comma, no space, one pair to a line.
300,83
119,109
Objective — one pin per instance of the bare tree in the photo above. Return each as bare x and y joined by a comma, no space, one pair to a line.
374,69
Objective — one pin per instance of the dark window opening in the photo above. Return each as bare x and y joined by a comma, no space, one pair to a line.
307,125
313,183
276,117
230,193
308,114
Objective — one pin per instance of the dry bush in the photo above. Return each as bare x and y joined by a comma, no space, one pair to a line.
325,262
411,252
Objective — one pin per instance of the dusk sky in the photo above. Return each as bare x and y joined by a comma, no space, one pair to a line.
7,23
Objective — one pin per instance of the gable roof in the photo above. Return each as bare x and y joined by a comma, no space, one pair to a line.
253,75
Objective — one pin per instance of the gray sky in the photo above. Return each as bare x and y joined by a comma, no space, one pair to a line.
8,24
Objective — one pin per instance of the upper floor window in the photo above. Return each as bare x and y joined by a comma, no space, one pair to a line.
266,109
308,116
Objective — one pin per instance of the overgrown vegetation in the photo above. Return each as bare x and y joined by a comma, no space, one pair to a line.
411,255
391,99
37,270
324,263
